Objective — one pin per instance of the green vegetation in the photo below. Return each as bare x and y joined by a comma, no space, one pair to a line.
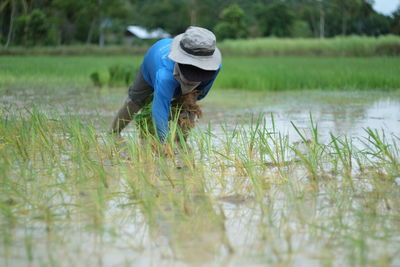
58,72
71,194
353,46
68,22
294,200
232,25
275,19
71,50
238,72
310,73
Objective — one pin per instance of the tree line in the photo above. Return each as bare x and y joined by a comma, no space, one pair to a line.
65,22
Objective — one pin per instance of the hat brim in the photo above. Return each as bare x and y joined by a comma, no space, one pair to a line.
178,55
195,74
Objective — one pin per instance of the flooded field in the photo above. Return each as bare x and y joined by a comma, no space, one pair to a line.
340,113
305,178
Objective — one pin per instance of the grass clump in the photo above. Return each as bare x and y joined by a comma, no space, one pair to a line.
120,75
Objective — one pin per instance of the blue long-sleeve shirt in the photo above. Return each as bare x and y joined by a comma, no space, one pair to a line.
157,69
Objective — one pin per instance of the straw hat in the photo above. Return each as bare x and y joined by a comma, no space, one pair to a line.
196,47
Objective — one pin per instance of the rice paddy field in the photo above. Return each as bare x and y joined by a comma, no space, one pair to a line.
294,163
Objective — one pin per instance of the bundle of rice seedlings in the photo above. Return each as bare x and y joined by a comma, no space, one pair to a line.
184,109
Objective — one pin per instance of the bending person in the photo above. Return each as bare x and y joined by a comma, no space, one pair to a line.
171,68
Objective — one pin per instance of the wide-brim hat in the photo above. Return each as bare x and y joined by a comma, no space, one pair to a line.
196,47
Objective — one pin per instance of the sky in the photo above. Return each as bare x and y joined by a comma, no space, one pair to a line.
386,6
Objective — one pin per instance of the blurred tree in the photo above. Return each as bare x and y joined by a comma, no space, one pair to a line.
37,28
367,21
171,15
395,25
31,29
275,19
13,6
310,14
345,9
208,11
300,28
322,12
193,12
107,11
21,30
82,20
232,25
305,11
376,24
89,14
97,21
64,16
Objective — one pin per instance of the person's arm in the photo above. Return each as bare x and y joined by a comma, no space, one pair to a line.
208,86
163,93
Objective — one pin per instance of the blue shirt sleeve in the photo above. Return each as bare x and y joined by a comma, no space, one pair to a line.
164,88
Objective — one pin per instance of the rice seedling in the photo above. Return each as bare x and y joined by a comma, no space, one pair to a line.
388,153
313,156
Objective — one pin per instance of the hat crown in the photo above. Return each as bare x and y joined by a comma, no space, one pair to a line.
198,39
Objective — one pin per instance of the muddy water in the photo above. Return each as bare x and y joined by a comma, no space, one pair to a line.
340,113
335,112
234,228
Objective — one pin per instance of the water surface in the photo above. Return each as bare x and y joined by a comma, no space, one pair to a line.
220,221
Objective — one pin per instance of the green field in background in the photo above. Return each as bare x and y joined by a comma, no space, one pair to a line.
248,73
349,46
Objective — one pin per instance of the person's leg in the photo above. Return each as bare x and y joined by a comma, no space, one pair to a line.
137,94
124,115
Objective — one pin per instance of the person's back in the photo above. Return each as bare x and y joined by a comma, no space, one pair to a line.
157,58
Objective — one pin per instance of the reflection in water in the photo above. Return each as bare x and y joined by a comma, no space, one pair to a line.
340,113
336,112
185,216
